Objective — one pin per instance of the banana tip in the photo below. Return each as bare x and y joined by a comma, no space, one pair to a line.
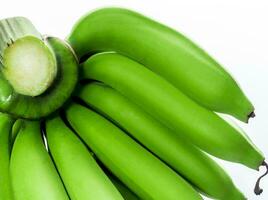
257,189
251,115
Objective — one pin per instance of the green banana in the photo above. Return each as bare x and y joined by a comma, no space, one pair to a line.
183,157
6,123
37,75
33,175
82,176
162,100
143,173
164,51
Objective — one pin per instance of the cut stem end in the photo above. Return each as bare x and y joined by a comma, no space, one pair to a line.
29,66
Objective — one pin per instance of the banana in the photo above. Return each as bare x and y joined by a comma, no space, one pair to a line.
158,97
164,51
82,176
33,175
6,123
143,173
182,156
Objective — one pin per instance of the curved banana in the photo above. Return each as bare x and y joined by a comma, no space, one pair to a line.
6,123
164,51
182,156
162,100
34,177
82,176
143,173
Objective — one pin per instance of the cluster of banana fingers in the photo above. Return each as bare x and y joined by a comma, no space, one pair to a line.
139,125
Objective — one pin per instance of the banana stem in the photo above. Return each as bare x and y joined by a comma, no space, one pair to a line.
257,189
26,62
29,66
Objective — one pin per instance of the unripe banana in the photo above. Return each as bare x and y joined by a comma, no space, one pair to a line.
143,173
166,103
82,176
165,52
34,177
182,156
6,123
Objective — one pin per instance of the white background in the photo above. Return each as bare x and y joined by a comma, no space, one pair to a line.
234,32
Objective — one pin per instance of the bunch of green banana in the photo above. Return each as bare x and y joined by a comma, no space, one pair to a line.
164,51
170,106
134,165
204,173
139,124
33,173
78,169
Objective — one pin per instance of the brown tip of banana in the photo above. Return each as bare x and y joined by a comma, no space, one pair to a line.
257,189
251,115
